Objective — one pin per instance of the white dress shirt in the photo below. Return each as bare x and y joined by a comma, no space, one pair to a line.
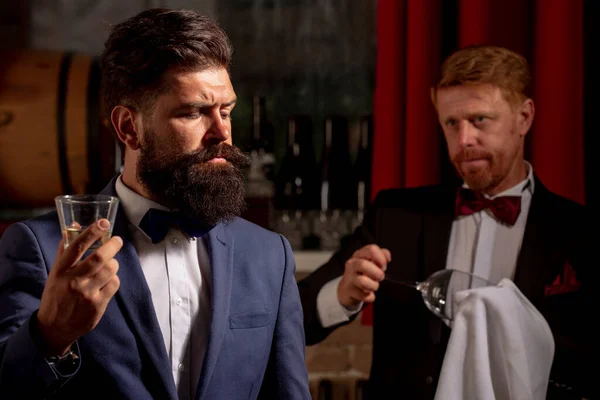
482,245
479,244
178,274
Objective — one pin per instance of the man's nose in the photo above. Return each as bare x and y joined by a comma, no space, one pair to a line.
467,134
219,130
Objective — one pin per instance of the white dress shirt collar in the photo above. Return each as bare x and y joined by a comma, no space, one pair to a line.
134,205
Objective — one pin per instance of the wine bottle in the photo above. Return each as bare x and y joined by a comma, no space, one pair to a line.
263,136
363,163
362,169
259,183
337,165
296,178
295,185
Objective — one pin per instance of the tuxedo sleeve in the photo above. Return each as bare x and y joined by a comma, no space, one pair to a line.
24,372
311,285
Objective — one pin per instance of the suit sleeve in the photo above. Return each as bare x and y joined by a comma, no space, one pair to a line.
24,372
310,286
286,376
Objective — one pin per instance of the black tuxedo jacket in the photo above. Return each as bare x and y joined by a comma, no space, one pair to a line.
409,342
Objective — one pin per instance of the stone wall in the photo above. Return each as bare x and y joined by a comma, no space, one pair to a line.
339,366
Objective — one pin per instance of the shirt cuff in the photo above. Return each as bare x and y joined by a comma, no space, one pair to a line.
60,371
331,312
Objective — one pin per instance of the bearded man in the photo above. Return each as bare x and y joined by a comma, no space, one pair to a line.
186,300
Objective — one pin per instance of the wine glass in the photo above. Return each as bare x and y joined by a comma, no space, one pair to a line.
439,288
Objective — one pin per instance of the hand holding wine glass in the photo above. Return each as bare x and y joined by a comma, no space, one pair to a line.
365,270
362,274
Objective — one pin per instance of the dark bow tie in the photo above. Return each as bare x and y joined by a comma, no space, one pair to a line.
505,208
156,224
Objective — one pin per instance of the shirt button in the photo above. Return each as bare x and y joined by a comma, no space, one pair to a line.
179,302
174,240
429,380
181,367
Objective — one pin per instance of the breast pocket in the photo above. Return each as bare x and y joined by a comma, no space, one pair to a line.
250,319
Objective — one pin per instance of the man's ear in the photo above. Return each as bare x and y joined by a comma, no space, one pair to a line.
526,114
123,119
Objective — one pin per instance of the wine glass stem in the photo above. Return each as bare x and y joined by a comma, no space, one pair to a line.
404,283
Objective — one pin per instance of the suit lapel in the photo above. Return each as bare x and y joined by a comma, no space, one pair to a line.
437,226
135,300
535,249
220,248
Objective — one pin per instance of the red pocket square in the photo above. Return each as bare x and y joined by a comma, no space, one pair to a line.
563,283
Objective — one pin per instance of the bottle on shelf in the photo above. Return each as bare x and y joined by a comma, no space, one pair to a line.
341,180
337,184
263,136
260,189
362,167
295,184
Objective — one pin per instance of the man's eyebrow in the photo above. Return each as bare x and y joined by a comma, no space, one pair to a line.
488,114
197,104
230,103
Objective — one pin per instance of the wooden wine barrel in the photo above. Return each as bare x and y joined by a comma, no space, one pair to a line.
52,137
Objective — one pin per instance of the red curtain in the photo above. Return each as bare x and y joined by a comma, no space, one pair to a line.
557,137
549,33
406,141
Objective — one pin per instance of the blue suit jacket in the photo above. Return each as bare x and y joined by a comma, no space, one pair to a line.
256,341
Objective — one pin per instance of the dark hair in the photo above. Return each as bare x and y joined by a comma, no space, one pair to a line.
491,65
142,48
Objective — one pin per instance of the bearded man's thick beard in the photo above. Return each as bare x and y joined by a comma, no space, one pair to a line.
192,185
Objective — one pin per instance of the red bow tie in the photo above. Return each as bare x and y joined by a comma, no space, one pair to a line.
505,208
